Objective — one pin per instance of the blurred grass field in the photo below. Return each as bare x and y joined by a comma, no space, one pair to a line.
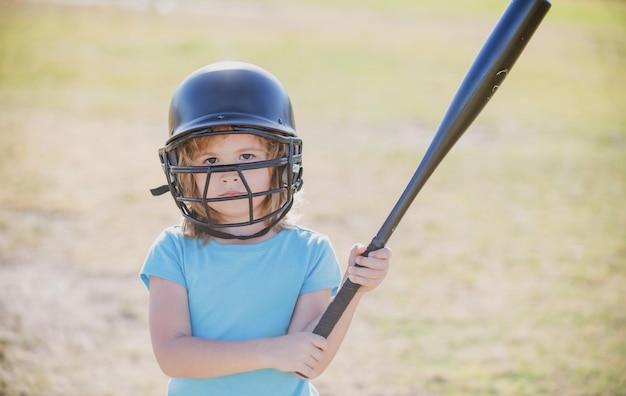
509,271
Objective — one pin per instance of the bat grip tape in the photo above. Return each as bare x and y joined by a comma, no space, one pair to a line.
341,301
344,296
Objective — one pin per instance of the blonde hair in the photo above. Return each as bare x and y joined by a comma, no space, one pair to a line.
271,202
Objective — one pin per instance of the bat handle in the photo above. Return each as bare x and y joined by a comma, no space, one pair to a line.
341,301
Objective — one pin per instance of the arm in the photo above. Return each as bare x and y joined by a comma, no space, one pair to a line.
311,306
179,354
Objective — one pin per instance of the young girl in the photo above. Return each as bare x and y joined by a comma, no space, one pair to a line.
236,289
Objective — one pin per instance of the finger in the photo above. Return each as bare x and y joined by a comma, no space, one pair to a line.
308,368
382,253
305,372
364,282
299,375
368,281
356,251
367,277
311,362
372,262
368,272
317,355
319,342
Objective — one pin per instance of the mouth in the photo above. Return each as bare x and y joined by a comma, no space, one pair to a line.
232,194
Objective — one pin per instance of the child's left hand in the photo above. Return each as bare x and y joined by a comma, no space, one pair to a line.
373,268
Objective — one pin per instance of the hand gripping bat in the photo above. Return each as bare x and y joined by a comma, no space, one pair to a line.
492,64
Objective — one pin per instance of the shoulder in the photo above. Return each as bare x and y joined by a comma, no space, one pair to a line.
171,242
164,259
173,235
314,250
306,242
171,232
306,235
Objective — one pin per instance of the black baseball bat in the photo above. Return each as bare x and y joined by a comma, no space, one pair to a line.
492,64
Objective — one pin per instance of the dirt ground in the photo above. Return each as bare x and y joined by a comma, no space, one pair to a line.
508,276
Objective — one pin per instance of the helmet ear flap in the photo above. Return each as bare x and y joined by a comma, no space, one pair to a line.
294,168
168,159
284,176
296,175
299,181
172,157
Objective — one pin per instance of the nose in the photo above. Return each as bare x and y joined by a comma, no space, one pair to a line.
229,177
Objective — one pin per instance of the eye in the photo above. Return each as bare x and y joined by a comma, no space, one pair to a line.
246,157
211,160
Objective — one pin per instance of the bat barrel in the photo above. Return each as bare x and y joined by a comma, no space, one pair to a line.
491,66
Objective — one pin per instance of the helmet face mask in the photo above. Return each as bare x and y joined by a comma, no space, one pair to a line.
232,98
286,179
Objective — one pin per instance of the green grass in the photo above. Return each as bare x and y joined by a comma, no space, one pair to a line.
509,270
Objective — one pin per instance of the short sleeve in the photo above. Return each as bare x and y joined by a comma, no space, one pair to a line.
324,270
164,259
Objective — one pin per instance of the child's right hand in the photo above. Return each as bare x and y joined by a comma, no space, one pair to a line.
298,353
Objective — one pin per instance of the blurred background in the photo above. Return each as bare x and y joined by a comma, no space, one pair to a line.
509,270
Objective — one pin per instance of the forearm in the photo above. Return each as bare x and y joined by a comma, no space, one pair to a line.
369,273
193,357
336,337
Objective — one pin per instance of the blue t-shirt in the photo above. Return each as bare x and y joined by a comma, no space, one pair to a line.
240,292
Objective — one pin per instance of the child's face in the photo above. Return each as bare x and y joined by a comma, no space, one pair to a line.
228,150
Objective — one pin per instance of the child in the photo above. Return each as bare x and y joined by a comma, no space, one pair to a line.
236,289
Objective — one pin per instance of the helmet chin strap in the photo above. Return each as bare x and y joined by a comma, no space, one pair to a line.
225,235
160,190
